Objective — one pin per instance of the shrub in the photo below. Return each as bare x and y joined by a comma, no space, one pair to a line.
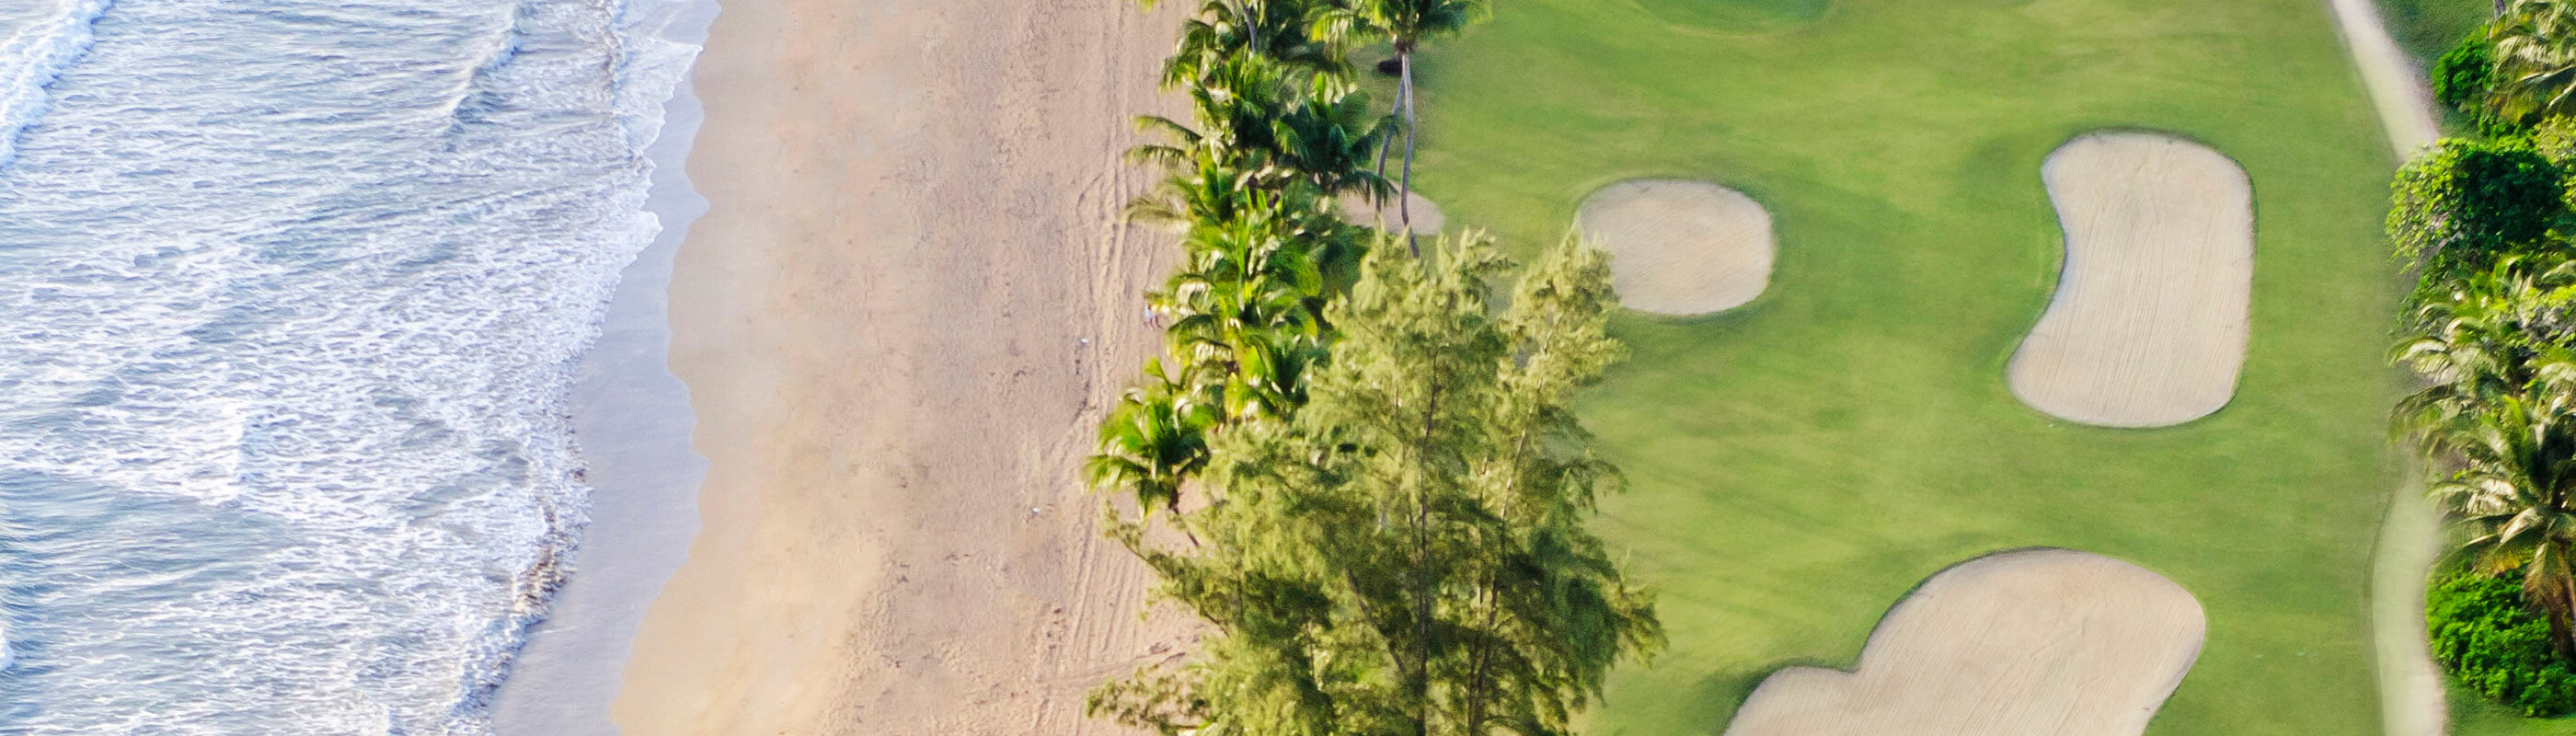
2462,81
2467,202
2461,78
2490,639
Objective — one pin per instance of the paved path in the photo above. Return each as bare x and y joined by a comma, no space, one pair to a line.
2410,687
2396,87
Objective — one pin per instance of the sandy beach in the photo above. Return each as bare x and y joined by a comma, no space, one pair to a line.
897,320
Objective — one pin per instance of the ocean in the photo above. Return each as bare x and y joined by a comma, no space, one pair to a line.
292,294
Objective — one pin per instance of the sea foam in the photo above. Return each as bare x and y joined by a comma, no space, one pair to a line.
290,297
37,39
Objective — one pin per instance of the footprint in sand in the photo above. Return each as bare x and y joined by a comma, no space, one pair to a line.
2039,642
2149,324
1681,247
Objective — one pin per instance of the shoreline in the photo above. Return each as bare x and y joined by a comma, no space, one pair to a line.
897,323
631,422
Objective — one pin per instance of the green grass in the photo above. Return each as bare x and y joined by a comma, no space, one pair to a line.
1737,16
2474,715
1800,463
2427,28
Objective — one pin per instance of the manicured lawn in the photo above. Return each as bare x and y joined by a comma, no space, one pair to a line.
1800,463
2474,715
1738,15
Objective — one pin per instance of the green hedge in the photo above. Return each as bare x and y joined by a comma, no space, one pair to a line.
2493,643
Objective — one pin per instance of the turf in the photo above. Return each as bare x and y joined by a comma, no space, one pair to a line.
1737,16
1800,463
2474,715
2428,28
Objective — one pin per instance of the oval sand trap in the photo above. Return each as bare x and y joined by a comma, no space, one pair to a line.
2042,642
1680,247
2148,326
1426,216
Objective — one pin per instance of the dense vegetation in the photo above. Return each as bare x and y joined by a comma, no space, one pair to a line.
1358,468
2486,635
2490,336
1799,463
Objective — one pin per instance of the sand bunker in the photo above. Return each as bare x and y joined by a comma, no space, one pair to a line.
1681,247
1426,216
2045,642
2148,327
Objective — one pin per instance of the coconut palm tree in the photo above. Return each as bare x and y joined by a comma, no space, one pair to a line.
2535,56
2516,490
1256,115
1327,137
1225,29
1154,440
1202,188
1243,309
1405,24
1237,105
2499,412
2485,340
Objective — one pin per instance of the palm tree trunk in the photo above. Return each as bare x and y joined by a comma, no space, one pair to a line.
2560,605
1404,205
1385,145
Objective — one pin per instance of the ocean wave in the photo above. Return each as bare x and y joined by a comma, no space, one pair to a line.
36,48
295,293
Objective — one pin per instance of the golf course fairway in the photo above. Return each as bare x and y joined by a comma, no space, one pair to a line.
1798,463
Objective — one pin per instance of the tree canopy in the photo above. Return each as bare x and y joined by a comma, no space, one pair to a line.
1407,555
2467,202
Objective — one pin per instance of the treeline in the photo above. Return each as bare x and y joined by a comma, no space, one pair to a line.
1356,463
2486,222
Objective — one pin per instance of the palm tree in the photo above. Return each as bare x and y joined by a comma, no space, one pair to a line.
1327,136
2516,489
2535,56
1202,188
1405,24
1225,29
2485,340
1243,309
1238,104
2499,410
1153,441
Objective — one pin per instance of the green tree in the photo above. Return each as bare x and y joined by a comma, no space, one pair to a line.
1406,556
1405,24
2486,338
2463,76
1238,104
2463,81
2497,421
2466,203
1243,308
1327,139
2483,629
1227,29
1154,440
2516,490
2535,59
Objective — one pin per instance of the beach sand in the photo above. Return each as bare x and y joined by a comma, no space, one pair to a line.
897,321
